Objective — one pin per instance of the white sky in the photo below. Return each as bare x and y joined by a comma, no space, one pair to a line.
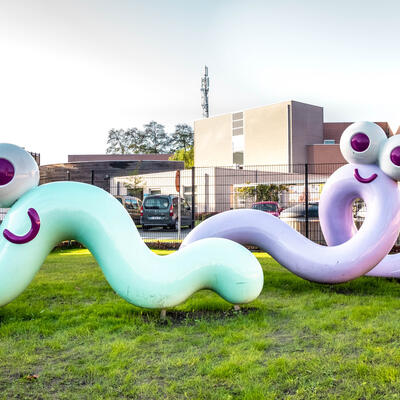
71,70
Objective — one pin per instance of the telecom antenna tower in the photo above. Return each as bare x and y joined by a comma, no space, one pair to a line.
205,85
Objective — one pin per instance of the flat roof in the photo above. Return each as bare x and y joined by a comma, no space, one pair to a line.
118,157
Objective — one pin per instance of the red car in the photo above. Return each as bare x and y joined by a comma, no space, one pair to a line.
271,207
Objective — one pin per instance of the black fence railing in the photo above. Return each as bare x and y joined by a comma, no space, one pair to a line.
291,192
163,211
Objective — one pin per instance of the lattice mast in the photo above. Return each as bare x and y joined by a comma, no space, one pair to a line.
205,85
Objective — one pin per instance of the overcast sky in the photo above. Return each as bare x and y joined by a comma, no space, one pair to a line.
71,70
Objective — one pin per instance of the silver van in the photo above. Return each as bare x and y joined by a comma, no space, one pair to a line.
162,211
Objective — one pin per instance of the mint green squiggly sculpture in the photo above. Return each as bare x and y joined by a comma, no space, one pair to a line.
46,215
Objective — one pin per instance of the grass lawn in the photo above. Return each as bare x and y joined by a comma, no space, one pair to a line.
299,340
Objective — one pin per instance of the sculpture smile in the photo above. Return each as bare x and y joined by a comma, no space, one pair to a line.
364,180
35,226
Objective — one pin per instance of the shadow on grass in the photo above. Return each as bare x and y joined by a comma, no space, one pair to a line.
178,317
121,312
285,282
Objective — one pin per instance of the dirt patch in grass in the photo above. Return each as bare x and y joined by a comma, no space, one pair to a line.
177,317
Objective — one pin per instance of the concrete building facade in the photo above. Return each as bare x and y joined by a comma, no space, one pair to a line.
289,133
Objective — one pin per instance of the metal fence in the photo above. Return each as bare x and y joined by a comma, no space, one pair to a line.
291,192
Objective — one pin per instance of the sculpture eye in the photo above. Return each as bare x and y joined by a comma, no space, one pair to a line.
395,156
361,141
18,173
389,157
7,171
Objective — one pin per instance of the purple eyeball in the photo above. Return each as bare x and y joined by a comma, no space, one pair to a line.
395,156
7,171
359,142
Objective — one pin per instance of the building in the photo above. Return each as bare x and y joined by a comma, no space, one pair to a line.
101,168
289,133
329,151
118,157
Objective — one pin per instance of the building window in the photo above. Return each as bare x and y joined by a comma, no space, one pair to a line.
238,157
237,138
237,124
237,149
237,131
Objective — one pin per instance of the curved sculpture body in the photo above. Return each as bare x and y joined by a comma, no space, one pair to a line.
366,143
337,224
71,210
371,175
309,260
48,214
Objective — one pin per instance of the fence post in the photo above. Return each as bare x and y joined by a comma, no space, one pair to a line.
306,197
92,177
193,196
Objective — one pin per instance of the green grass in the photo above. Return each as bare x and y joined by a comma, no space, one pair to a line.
299,340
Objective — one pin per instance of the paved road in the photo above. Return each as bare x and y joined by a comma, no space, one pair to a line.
160,234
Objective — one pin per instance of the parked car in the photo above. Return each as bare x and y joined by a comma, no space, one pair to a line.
132,205
162,211
299,211
271,207
295,216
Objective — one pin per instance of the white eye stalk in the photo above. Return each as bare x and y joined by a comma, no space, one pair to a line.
18,173
360,143
389,157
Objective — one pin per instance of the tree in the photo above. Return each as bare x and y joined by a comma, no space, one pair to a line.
184,155
182,145
263,192
136,140
151,140
126,142
157,140
182,138
269,192
118,142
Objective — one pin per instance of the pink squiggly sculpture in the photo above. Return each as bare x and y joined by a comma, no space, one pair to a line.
372,174
335,209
